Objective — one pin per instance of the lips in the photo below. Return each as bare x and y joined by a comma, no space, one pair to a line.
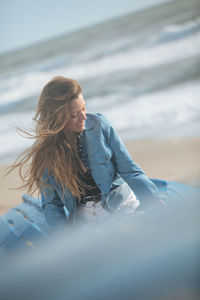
81,125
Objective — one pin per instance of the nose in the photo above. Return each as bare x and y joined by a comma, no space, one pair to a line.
83,116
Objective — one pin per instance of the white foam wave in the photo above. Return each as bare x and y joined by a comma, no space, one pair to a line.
167,108
11,141
174,32
175,28
19,87
30,84
142,116
137,59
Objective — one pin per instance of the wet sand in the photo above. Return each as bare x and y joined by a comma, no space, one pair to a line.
174,159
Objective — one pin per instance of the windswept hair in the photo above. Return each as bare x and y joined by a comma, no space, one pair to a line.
52,150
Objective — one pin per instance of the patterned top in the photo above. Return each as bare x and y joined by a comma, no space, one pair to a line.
82,151
87,178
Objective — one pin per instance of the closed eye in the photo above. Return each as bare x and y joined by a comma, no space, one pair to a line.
76,114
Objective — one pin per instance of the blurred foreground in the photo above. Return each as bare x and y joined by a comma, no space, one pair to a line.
150,255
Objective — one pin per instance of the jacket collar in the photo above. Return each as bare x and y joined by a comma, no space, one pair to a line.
89,123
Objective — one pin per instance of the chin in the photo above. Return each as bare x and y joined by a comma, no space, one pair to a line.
80,130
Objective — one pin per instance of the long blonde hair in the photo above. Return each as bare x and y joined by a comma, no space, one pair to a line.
53,150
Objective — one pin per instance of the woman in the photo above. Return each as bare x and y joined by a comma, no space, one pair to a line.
78,162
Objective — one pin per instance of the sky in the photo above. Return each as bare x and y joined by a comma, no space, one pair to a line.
24,22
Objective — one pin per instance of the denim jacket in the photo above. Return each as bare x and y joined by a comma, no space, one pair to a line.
112,169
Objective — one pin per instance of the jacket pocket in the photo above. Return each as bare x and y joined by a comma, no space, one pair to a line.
102,156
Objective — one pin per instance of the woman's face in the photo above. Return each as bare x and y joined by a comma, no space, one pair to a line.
78,112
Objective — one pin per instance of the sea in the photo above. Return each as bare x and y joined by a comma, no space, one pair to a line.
142,70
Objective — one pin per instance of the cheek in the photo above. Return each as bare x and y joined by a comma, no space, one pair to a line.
70,124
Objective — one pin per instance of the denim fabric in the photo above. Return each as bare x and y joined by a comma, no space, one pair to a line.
110,165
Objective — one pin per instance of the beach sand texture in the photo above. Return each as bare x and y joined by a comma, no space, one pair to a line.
175,159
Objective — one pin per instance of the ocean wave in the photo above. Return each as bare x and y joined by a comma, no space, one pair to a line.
29,84
12,143
175,32
155,114
148,114
19,87
136,59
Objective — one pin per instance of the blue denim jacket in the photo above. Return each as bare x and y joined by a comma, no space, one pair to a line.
111,167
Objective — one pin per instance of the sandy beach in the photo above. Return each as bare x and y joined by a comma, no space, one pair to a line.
174,159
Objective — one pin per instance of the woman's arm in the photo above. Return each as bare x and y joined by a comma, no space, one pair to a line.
52,205
129,170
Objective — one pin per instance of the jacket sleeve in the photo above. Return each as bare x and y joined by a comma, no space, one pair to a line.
52,206
129,170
